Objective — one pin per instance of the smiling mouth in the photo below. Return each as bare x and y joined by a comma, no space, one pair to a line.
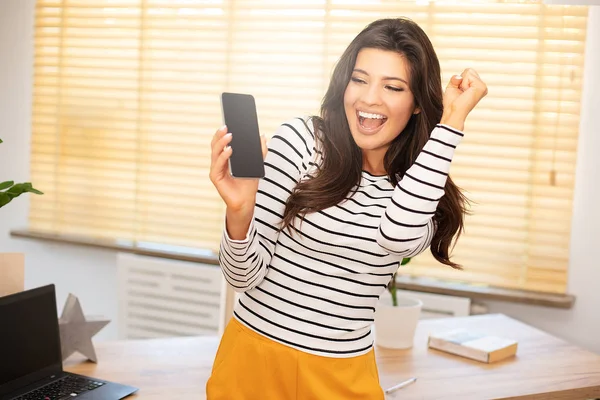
370,121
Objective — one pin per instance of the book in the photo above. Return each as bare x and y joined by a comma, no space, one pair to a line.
476,346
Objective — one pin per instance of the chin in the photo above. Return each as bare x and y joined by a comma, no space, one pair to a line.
367,143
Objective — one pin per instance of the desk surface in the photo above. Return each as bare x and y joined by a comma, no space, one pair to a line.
545,367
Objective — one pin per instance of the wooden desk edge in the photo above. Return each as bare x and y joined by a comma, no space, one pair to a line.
588,392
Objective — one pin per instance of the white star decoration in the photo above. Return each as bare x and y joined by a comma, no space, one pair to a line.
76,330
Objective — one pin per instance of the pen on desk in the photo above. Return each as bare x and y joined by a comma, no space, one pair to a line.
399,386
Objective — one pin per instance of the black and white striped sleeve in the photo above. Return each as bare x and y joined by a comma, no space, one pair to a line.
245,262
407,226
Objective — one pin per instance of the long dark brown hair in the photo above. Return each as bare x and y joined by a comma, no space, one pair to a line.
342,162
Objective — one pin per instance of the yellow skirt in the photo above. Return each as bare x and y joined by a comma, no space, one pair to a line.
249,366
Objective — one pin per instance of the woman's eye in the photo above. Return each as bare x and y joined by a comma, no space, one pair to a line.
395,89
357,80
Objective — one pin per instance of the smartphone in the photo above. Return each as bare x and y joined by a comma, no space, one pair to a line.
239,114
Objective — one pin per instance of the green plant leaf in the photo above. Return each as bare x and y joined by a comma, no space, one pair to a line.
15,191
4,199
405,261
6,185
21,188
35,191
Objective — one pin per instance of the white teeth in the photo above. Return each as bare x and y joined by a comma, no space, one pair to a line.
369,115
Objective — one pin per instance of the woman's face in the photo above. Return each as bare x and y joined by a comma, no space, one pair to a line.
378,101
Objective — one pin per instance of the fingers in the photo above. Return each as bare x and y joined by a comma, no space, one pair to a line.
220,153
471,80
455,81
220,165
462,94
453,90
218,135
218,145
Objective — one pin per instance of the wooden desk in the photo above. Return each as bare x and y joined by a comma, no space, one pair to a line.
545,367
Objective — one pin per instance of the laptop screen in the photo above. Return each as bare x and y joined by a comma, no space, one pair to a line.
29,335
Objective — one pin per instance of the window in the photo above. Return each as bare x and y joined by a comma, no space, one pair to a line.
126,100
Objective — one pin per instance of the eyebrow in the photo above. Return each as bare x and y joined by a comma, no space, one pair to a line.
385,78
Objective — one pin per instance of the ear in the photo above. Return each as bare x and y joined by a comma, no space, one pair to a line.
417,111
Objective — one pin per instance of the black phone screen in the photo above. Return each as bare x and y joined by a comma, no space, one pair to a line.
239,114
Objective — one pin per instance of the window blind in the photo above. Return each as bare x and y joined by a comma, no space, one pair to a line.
126,100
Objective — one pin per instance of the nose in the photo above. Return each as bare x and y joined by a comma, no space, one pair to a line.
371,95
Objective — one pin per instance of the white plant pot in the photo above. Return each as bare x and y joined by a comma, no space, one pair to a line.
12,273
395,326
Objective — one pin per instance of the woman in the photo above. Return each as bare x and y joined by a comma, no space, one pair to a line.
346,196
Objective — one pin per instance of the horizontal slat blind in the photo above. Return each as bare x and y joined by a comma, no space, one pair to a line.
517,162
126,99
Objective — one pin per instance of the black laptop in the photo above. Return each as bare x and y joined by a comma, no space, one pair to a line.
30,353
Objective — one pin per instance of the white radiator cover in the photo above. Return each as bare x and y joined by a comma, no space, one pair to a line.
160,297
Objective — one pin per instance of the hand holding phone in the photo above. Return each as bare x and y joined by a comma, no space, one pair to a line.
239,195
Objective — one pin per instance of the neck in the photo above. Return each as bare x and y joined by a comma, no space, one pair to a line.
373,161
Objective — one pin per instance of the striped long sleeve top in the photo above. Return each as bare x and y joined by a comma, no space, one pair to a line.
317,291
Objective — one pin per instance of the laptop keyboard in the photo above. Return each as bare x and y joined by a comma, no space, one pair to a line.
68,387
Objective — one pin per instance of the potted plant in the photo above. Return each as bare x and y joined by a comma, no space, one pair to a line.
396,317
12,265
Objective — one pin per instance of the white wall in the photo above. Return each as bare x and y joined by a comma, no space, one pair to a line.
92,275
